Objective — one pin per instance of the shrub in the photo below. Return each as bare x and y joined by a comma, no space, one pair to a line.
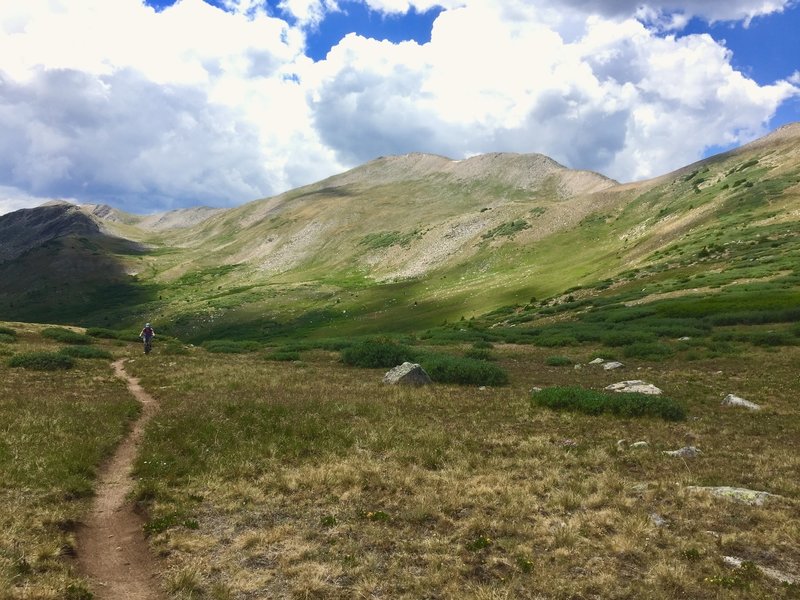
479,354
558,361
174,348
7,339
444,368
592,402
648,351
66,336
101,332
41,361
230,346
85,352
8,331
377,353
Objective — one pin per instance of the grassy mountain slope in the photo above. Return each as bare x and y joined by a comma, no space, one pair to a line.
407,242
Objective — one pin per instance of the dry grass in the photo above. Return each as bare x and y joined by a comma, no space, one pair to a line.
56,428
314,480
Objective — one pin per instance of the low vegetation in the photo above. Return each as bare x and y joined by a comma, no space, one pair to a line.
58,426
592,402
66,336
41,361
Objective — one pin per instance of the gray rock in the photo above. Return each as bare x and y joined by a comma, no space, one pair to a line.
743,495
731,400
407,374
685,338
685,452
634,385
610,366
639,445
657,520
597,361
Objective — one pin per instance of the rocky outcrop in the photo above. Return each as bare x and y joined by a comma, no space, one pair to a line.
742,495
634,386
731,400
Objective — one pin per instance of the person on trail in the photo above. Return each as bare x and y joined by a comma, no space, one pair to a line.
147,336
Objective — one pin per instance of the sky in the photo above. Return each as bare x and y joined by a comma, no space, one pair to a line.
153,105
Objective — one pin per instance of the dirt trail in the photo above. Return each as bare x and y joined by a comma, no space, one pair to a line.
112,550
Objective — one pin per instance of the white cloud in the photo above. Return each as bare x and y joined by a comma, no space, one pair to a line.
109,100
12,199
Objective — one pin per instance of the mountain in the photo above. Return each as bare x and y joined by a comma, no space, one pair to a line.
407,242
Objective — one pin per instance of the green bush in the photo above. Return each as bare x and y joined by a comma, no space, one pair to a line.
444,368
578,399
7,339
101,332
8,331
230,346
648,351
479,354
558,361
377,353
85,352
41,361
174,348
66,336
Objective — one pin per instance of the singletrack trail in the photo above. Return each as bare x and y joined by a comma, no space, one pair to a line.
112,551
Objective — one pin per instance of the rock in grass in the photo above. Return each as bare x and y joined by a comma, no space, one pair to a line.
639,445
743,495
610,366
636,386
685,452
731,400
597,361
407,374
659,521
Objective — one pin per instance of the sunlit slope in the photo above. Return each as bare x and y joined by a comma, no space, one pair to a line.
407,242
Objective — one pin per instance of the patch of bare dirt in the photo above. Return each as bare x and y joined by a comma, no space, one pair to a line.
112,551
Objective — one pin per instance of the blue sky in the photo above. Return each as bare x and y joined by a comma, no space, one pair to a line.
160,104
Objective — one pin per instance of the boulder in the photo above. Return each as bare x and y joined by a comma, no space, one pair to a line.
407,374
731,400
610,366
597,361
634,385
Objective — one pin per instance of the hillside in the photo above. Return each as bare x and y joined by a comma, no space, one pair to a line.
408,242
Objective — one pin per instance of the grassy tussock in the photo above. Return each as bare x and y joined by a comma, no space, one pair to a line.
66,336
41,361
346,488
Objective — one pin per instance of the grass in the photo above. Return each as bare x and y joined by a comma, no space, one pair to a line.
66,336
41,361
86,352
57,428
350,488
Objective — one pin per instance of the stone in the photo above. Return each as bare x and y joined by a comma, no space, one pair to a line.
657,520
743,495
731,400
597,361
685,338
634,385
407,374
685,452
610,366
639,445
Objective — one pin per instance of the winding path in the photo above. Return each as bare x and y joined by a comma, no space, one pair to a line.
112,551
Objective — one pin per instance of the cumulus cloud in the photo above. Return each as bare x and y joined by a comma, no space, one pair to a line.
12,199
114,102
618,98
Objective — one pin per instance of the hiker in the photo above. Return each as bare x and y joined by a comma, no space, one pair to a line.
147,336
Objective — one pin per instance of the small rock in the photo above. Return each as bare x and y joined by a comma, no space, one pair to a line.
567,443
407,374
597,361
577,367
685,452
685,338
622,444
743,495
610,366
731,400
639,445
657,520
634,385
535,389
482,388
